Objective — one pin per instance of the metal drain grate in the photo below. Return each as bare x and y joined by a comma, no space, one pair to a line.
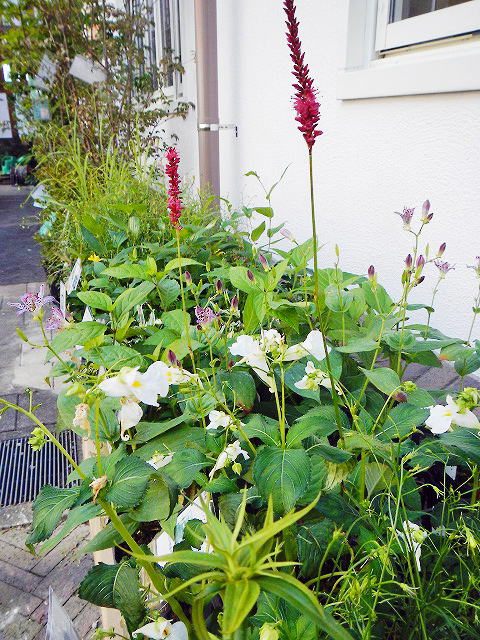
23,472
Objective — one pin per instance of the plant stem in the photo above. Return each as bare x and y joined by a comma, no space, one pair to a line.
184,308
475,313
317,301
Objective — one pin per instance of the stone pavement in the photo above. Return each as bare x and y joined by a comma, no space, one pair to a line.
25,578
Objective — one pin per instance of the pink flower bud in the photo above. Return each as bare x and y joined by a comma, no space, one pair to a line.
419,281
287,234
188,278
425,209
441,249
409,262
263,262
230,364
171,357
218,286
420,262
371,272
235,302
401,396
250,276
429,217
178,364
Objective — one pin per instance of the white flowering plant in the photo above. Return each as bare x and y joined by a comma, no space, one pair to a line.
339,499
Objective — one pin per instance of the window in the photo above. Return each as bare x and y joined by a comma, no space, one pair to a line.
168,43
407,47
402,23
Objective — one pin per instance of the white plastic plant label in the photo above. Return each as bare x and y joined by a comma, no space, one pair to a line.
86,70
46,73
74,277
59,625
39,196
87,315
451,471
5,126
63,297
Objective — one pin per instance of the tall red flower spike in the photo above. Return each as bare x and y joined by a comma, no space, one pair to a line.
305,101
175,205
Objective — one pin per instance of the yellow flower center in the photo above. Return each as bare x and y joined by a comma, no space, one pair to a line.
136,383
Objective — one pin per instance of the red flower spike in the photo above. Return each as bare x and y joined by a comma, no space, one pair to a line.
305,101
174,203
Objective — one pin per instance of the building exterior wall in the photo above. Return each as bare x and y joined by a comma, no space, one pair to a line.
375,156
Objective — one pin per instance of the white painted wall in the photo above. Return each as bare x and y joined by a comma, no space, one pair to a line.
374,157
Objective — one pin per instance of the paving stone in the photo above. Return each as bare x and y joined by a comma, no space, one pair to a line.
13,290
414,371
32,377
9,418
46,413
16,536
69,544
15,626
12,598
64,578
17,577
19,557
74,605
87,620
32,355
436,378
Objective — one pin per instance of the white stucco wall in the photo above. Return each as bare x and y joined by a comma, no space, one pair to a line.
374,157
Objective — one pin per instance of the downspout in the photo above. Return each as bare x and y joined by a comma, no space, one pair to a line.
207,94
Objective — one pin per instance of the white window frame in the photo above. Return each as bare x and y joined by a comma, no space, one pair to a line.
174,91
446,64
436,25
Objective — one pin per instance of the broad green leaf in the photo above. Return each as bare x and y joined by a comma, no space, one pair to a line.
302,254
466,366
176,263
109,536
131,298
256,233
148,430
378,477
250,317
264,211
180,348
131,271
169,290
380,301
317,481
298,595
76,516
430,345
401,420
358,345
79,333
116,356
264,428
238,387
239,599
332,454
463,442
115,586
161,337
129,482
240,280
185,466
96,299
313,539
158,502
319,421
48,508
338,300
174,320
420,398
282,473
386,380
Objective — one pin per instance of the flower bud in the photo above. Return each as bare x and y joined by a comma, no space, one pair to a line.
409,386
419,281
441,249
250,276
263,262
287,234
268,632
420,262
409,262
425,212
178,364
218,286
401,396
134,226
171,357
235,302
188,278
230,364
371,272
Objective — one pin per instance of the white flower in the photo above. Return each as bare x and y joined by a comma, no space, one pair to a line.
311,346
162,628
218,419
443,416
270,339
129,415
413,536
229,454
252,354
176,375
314,378
144,386
159,460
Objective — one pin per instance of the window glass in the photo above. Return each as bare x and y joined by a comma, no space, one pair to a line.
403,9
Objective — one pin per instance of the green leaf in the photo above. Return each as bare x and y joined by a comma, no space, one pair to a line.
176,263
313,539
158,502
463,442
79,333
92,241
338,300
401,420
302,254
256,233
129,482
239,599
381,302
358,345
131,271
180,347
116,356
185,466
169,290
386,380
465,366
76,516
240,280
299,596
131,298
282,473
48,508
319,421
264,428
96,299
238,387
250,318
332,454
420,398
174,320
108,537
264,211
148,430
115,586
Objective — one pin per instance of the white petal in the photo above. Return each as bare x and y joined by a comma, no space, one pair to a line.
439,424
179,631
294,352
313,343
467,419
302,384
114,388
130,415
149,631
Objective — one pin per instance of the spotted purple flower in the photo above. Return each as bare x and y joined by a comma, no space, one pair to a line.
57,319
406,216
205,316
443,267
32,301
475,267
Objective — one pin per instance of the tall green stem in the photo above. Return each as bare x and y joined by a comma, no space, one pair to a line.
317,301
